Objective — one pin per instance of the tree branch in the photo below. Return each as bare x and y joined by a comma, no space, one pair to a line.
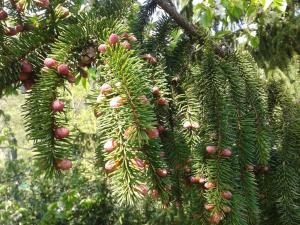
189,28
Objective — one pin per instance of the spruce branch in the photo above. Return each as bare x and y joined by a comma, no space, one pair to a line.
283,184
32,45
128,123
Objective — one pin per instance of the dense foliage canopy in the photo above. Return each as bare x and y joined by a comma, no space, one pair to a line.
197,111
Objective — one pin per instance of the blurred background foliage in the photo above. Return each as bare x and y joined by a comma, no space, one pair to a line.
12,124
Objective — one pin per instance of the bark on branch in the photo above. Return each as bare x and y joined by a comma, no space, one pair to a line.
189,28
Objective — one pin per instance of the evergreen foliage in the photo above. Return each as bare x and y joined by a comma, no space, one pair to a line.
196,128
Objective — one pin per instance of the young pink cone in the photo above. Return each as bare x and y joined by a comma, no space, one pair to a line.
211,149
61,132
57,106
132,38
3,14
19,28
42,3
195,125
64,164
105,89
194,179
226,209
126,45
71,78
23,76
102,48
152,133
50,63
155,90
209,185
162,101
154,194
113,39
215,218
142,189
111,166
10,31
139,163
162,172
110,145
125,35
26,66
226,153
187,125
116,102
226,195
209,207
63,69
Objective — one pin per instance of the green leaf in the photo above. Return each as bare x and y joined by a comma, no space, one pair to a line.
280,4
92,72
266,4
208,18
252,11
254,41
235,10
221,34
84,83
197,8
204,14
78,79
